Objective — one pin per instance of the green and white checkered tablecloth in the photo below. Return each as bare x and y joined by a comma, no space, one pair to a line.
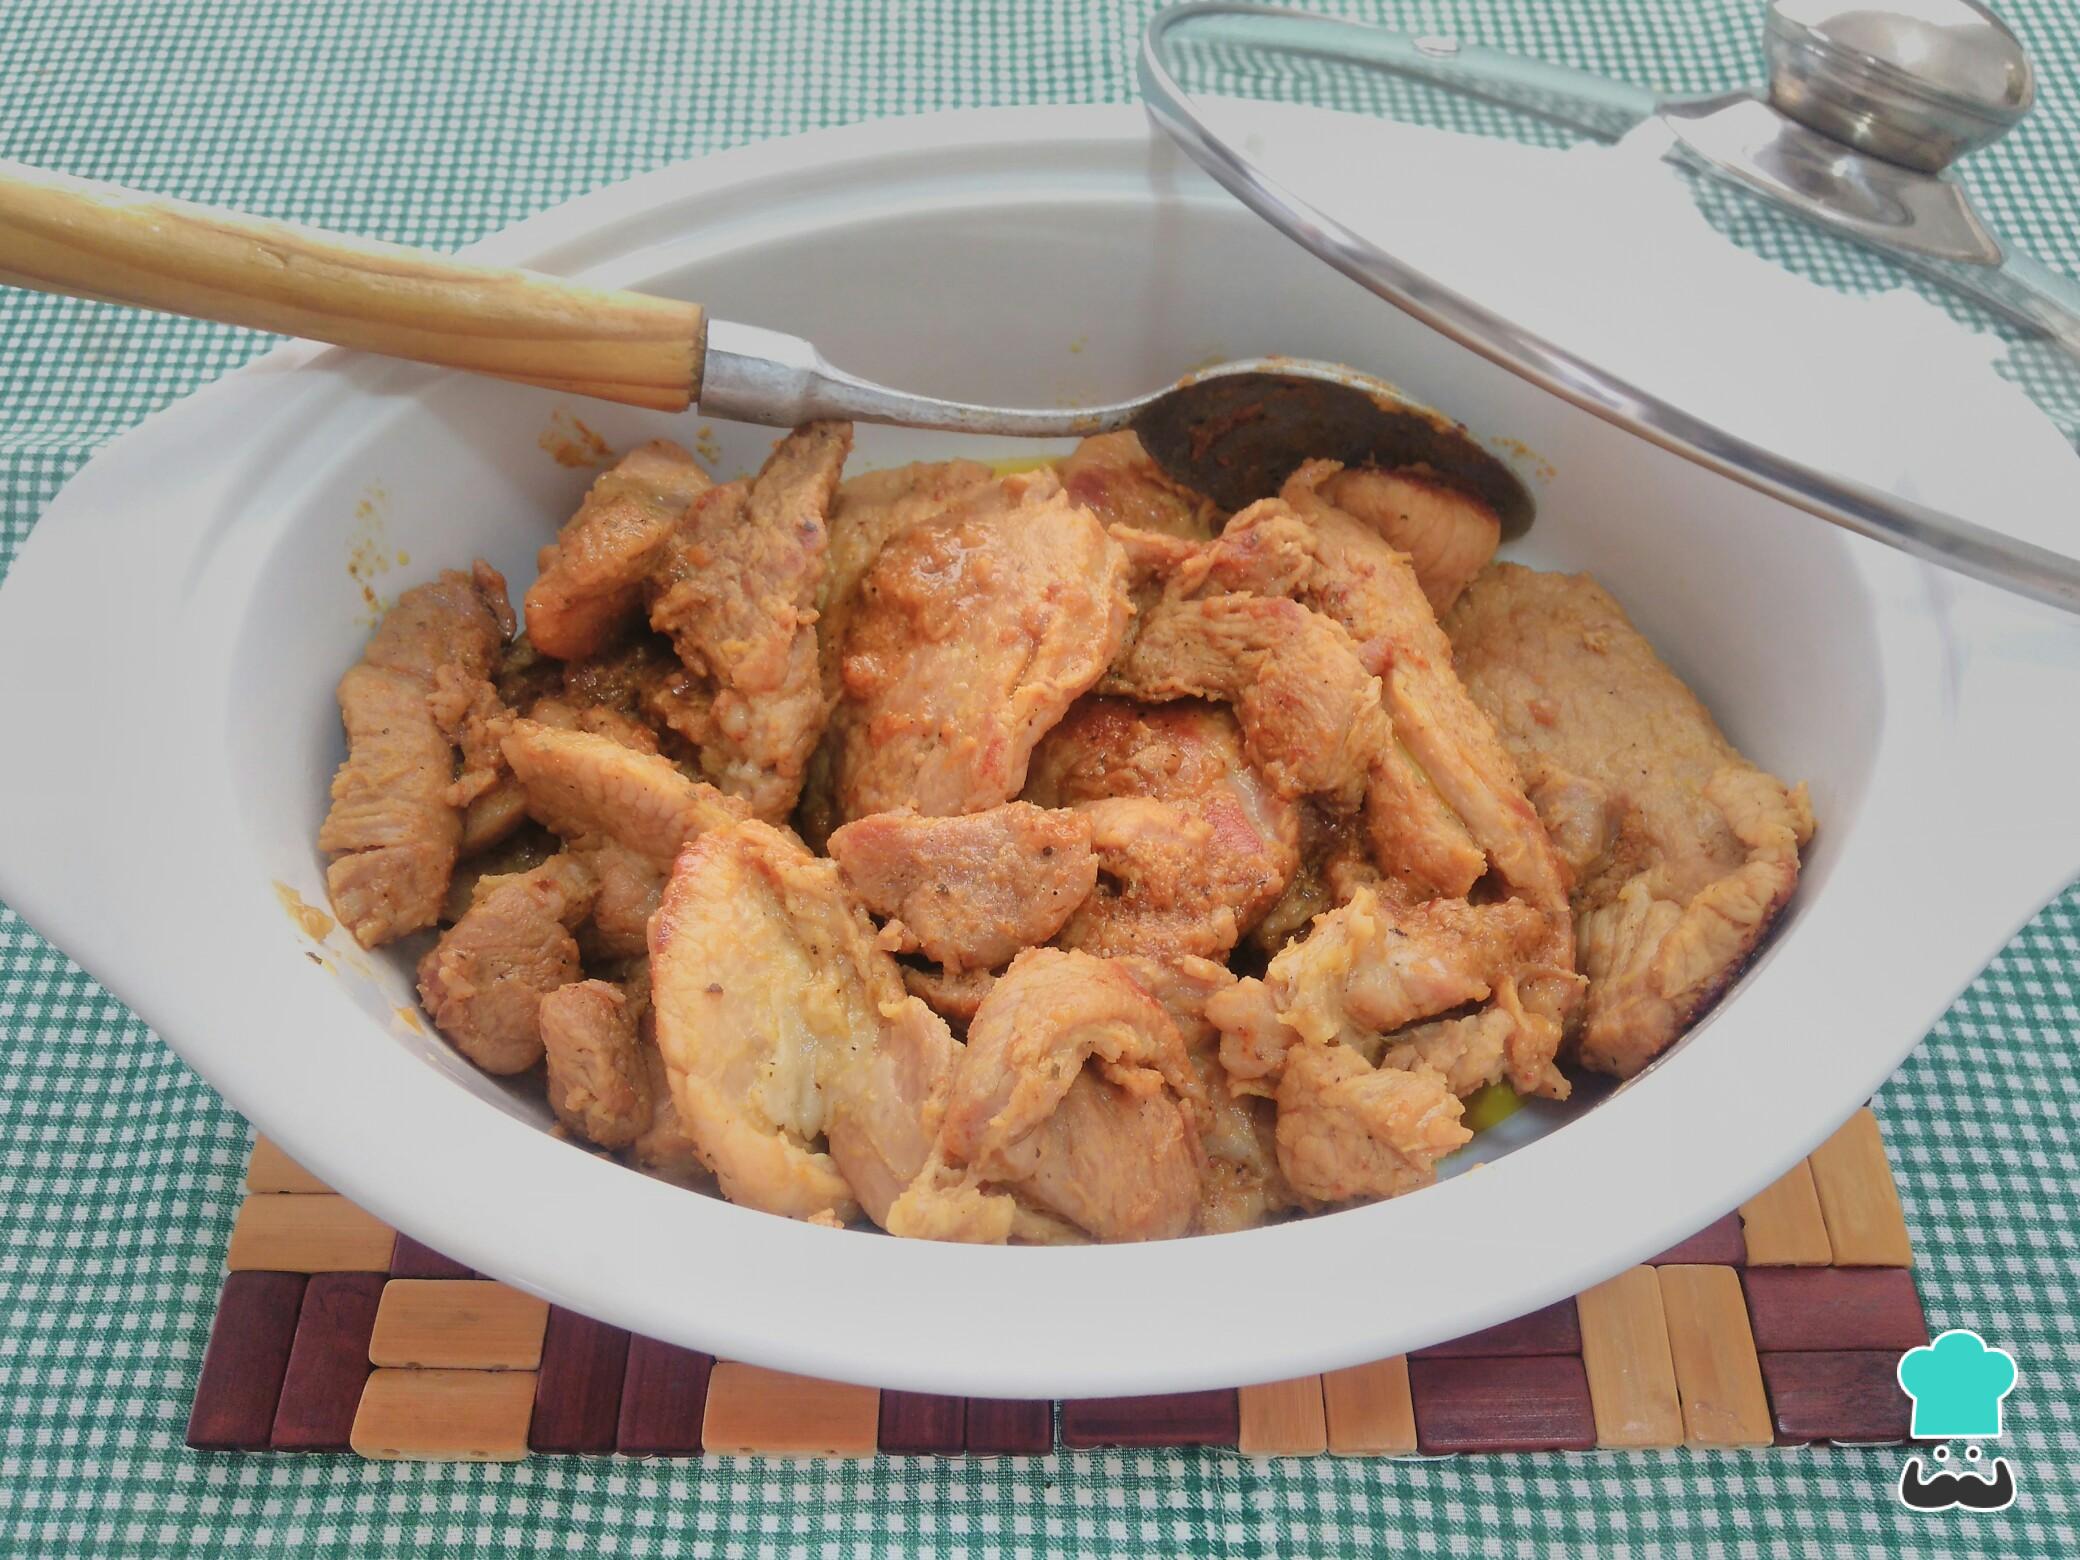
436,123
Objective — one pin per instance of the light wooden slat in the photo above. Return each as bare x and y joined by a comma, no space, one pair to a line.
1783,1223
1283,1419
753,1411
300,1232
458,1323
1632,1376
271,1170
1368,1410
445,1415
1857,1197
1718,1376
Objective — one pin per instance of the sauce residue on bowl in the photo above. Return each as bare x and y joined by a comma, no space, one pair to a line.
310,920
570,442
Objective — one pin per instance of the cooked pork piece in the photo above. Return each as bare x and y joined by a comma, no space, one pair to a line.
870,509
589,590
1075,1101
392,830
1347,1129
1683,852
1335,863
1242,1184
1367,969
589,787
1192,844
599,1084
954,997
735,586
1448,535
625,813
974,631
1111,475
1370,589
1310,711
804,1074
484,981
526,848
969,891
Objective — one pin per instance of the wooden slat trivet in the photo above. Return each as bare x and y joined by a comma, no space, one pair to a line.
1779,1323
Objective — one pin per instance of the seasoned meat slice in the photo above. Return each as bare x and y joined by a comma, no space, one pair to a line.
970,891
1449,536
1366,970
735,586
806,1077
869,509
599,1085
1369,588
1111,475
1075,1101
955,997
1242,1184
526,848
392,829
589,787
1683,851
589,589
974,631
1348,1130
484,981
1192,844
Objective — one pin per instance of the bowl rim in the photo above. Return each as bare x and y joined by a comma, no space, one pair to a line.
1514,1236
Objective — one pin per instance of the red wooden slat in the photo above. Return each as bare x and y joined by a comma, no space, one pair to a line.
1536,1403
920,1424
1834,1308
241,1378
1836,1395
328,1362
664,1394
1010,1427
1168,1419
577,1392
410,1259
1553,1329
1721,1243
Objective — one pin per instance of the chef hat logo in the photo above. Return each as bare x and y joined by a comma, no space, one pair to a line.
1957,1384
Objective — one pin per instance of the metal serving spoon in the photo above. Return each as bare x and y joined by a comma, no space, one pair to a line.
1233,432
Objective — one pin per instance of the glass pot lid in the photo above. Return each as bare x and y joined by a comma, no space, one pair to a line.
1787,286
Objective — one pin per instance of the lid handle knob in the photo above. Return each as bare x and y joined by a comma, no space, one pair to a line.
1919,82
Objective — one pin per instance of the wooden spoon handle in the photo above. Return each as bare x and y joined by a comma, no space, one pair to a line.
98,241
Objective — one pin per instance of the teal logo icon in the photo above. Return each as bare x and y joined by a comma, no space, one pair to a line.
1957,1384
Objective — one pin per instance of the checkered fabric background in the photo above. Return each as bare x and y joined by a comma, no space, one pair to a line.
434,124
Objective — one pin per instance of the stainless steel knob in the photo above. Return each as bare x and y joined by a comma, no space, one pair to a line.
1916,82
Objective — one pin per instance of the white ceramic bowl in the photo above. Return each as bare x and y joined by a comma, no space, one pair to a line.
174,626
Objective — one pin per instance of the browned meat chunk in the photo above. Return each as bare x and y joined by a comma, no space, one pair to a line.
1192,844
970,891
870,509
1074,1101
588,787
1242,1184
1111,475
1448,535
1683,852
521,851
484,981
590,586
1348,1130
735,586
1366,970
955,997
599,1084
974,631
392,829
802,1072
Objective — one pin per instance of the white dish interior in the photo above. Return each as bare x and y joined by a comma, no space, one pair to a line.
198,591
